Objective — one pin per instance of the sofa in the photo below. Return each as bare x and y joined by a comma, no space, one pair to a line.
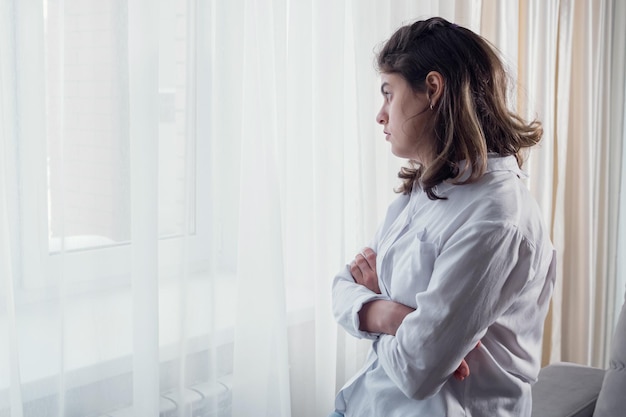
570,390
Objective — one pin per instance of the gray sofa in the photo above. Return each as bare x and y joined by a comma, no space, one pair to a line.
569,390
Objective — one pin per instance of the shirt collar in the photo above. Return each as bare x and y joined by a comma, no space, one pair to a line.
495,163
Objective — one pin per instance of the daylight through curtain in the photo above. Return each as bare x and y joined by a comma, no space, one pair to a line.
180,181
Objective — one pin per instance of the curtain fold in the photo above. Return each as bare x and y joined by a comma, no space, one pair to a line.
618,132
607,182
261,381
616,275
561,132
180,181
540,30
9,352
143,87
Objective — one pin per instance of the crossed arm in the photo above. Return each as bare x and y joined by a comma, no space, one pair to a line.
384,316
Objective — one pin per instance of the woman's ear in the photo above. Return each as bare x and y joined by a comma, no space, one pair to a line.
434,87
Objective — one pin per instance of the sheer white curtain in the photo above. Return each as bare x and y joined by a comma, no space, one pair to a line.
180,181
108,276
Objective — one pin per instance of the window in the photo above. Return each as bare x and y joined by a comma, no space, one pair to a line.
85,145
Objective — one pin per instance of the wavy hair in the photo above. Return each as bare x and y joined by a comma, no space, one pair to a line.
471,117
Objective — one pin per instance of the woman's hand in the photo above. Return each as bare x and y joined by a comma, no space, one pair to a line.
463,370
363,270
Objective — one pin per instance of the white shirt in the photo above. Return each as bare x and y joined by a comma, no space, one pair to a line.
476,266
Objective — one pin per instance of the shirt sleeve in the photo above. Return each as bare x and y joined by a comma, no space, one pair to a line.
348,299
479,273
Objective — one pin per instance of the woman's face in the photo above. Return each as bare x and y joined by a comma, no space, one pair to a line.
405,116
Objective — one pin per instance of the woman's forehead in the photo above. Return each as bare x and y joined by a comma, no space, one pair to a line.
391,79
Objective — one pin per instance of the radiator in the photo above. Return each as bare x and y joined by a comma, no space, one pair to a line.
200,400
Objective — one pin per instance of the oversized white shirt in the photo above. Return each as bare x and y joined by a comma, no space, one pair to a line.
476,266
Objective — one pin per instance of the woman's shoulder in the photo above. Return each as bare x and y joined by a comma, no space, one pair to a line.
500,194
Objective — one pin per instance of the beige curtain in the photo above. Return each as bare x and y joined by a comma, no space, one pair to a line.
572,63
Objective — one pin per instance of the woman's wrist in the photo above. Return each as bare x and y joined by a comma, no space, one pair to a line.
382,316
395,314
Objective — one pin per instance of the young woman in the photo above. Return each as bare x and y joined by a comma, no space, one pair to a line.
462,268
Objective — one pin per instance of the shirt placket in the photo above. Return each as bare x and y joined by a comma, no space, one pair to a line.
397,229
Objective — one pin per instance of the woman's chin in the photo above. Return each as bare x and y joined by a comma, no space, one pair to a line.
404,155
397,152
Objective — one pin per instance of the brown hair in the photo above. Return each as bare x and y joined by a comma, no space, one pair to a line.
471,117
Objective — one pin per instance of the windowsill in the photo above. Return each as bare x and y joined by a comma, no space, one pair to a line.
99,331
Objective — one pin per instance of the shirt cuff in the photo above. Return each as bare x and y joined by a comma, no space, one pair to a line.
356,322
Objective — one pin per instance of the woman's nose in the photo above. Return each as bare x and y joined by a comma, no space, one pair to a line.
381,117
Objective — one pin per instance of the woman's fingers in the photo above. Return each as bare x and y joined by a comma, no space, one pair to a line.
363,270
462,371
355,270
370,257
361,261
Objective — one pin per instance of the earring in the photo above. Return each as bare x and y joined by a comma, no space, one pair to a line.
430,104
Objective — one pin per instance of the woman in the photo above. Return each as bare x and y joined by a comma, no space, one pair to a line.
462,266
